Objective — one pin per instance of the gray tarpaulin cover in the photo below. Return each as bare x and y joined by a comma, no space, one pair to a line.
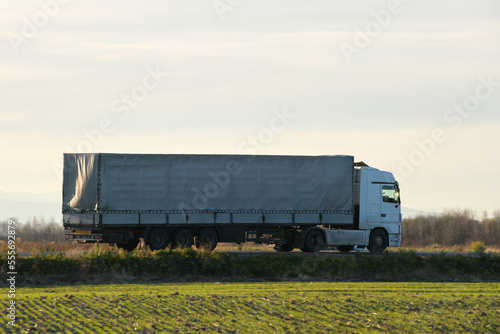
207,182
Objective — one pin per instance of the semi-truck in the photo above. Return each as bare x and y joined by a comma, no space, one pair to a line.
180,200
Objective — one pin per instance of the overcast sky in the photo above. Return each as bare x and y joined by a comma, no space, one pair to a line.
411,87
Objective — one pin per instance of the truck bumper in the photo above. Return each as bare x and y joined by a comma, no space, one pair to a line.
83,234
395,238
84,237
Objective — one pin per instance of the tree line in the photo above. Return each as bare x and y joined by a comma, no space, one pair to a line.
35,230
453,228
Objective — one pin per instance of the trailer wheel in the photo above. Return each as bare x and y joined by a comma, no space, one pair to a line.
345,248
314,242
207,239
183,239
129,245
157,238
378,241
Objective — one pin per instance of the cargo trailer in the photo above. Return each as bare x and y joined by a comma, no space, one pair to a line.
303,202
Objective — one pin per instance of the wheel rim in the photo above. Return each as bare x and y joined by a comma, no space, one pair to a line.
183,239
158,239
207,239
314,241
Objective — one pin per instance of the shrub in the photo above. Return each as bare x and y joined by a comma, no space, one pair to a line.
174,264
478,247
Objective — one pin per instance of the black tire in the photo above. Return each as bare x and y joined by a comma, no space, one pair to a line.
314,242
345,248
129,245
378,241
183,239
284,248
207,239
157,238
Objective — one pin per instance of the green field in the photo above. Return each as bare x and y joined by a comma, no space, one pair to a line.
271,307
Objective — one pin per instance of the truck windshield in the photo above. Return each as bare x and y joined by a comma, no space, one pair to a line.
390,194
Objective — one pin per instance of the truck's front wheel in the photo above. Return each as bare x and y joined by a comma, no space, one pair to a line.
378,241
157,239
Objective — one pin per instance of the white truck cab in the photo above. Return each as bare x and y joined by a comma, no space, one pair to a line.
379,203
377,222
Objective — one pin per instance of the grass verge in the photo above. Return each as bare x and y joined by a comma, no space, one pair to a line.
173,264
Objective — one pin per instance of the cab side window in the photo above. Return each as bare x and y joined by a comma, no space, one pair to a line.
390,194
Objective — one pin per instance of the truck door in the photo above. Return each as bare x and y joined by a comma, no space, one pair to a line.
373,207
389,212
